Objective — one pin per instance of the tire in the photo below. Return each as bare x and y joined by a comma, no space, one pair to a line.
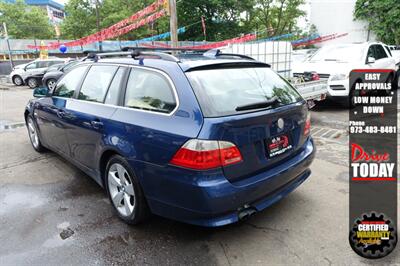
127,196
353,93
32,82
391,79
50,83
17,80
33,134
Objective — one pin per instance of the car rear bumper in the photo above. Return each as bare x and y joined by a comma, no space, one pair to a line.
338,88
211,200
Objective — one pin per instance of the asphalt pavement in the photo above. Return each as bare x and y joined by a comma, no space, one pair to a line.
53,214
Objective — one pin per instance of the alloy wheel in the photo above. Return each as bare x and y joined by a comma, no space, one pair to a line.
121,189
51,84
32,83
17,80
33,133
389,80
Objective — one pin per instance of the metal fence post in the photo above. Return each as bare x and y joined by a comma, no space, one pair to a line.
8,45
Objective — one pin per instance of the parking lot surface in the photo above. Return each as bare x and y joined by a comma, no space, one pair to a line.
53,214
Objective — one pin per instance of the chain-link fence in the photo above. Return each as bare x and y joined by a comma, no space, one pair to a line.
276,53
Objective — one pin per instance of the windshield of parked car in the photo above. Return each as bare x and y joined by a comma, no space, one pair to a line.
69,65
345,53
54,67
230,91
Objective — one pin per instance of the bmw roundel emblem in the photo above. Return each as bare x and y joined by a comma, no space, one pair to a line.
281,123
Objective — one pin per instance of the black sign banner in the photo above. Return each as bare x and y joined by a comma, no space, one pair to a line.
373,152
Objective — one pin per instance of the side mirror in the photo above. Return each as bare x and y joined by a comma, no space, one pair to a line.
40,92
371,60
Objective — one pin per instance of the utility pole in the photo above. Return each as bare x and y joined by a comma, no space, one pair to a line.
8,45
173,23
98,23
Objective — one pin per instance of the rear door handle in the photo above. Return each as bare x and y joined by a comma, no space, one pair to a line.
61,113
96,124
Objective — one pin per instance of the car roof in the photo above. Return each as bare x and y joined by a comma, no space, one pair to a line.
50,59
186,63
354,44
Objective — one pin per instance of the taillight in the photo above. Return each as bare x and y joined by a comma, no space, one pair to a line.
314,76
206,154
307,125
229,153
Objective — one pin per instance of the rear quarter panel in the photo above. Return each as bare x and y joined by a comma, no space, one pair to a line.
149,140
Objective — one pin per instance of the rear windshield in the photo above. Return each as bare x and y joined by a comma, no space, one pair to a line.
221,91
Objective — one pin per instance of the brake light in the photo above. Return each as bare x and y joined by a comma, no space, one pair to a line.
307,125
314,76
206,154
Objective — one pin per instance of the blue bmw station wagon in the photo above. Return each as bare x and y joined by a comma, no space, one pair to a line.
203,138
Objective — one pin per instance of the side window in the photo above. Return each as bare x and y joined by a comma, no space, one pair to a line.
51,63
149,90
66,67
69,83
380,52
96,83
371,52
388,50
115,87
32,65
43,64
53,68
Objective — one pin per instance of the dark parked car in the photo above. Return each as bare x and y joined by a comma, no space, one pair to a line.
204,139
55,72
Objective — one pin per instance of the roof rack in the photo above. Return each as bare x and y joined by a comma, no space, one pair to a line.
205,52
164,49
163,53
133,53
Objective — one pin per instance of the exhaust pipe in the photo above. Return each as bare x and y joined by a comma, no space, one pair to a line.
245,212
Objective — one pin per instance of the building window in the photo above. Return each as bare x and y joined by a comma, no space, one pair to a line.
58,14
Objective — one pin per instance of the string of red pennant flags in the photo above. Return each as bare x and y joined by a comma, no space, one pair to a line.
117,29
245,38
320,39
150,14
156,45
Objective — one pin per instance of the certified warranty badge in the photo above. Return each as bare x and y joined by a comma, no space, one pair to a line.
373,236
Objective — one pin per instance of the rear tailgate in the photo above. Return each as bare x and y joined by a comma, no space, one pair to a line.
313,90
253,134
255,109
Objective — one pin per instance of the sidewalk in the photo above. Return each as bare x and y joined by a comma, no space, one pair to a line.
12,104
4,79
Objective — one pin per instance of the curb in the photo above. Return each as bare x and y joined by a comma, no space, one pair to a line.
12,126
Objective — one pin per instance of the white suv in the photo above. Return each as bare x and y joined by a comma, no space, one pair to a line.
37,67
335,63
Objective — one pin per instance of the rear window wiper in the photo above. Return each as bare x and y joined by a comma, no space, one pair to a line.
258,105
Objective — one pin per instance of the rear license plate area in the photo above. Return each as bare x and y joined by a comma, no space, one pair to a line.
278,145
